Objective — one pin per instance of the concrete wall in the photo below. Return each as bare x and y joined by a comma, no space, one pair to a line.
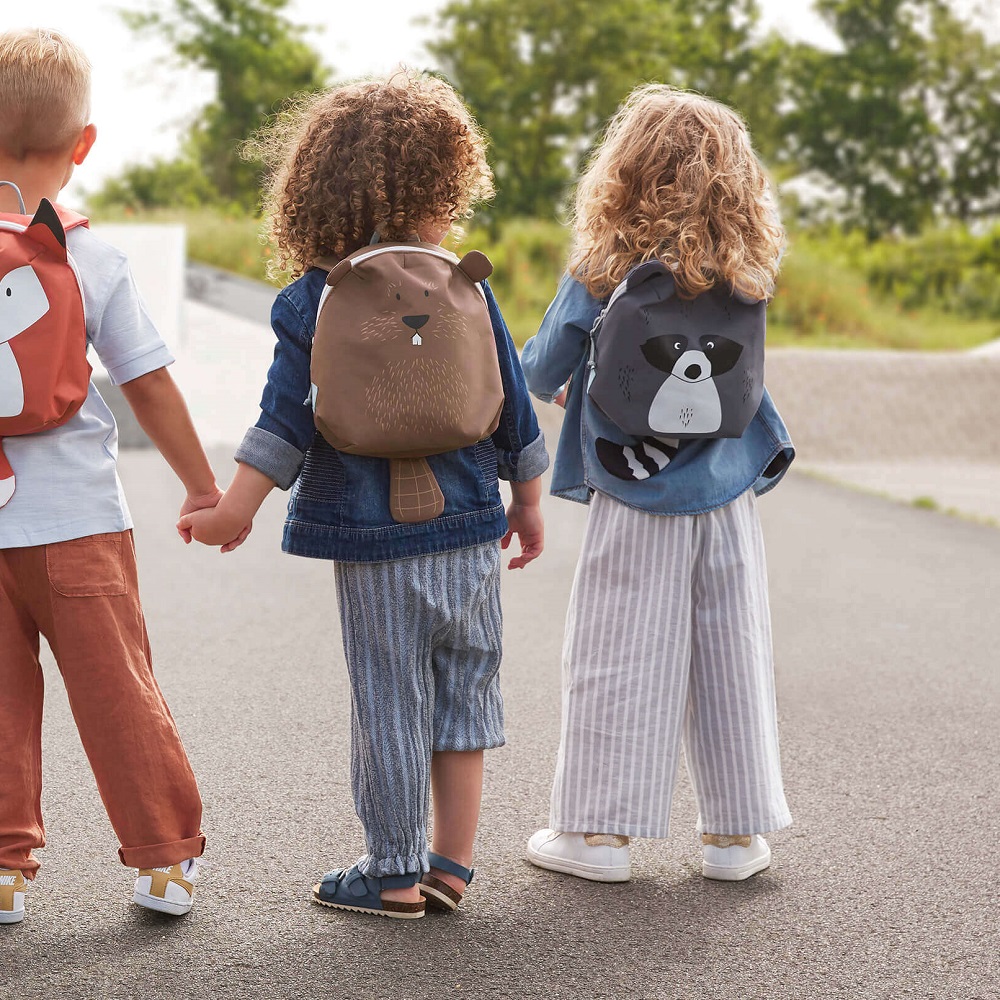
868,405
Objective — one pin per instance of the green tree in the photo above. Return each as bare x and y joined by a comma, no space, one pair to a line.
543,78
903,119
258,58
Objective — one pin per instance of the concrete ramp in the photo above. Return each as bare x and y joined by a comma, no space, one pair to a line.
868,405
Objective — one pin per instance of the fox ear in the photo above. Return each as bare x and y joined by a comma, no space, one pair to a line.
46,229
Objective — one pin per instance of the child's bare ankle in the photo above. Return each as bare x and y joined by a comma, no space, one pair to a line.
453,881
411,894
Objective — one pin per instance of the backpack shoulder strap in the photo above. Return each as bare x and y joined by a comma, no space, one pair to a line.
71,220
326,263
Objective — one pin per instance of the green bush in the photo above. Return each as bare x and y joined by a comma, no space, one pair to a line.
171,184
529,257
825,298
950,269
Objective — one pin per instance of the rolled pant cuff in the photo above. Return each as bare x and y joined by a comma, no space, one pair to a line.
396,865
27,867
161,855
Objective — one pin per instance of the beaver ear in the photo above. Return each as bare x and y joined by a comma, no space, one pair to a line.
476,266
46,229
339,272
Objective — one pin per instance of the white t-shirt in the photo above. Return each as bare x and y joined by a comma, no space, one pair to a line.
67,482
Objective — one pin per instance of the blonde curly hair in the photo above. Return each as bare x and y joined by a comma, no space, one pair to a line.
387,155
676,179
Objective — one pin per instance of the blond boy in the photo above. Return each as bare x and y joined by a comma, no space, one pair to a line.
67,559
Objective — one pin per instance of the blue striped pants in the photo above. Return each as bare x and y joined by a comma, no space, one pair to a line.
668,640
422,638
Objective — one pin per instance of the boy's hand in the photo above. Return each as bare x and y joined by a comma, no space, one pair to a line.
525,521
203,502
216,526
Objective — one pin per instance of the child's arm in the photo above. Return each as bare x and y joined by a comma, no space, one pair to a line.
230,521
562,342
524,519
162,413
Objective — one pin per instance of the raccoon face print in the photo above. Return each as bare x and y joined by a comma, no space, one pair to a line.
688,401
413,309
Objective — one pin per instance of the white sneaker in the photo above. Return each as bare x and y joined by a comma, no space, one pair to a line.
12,888
571,854
168,890
733,864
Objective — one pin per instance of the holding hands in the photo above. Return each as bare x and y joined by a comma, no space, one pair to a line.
219,525
227,519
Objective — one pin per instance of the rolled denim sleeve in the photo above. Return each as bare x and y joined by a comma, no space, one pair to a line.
520,445
555,352
277,444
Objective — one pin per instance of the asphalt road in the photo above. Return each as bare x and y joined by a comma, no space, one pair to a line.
887,885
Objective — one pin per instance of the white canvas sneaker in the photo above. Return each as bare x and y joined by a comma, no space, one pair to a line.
735,863
570,854
168,890
13,886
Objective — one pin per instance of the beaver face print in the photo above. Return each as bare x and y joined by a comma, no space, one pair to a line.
413,309
420,381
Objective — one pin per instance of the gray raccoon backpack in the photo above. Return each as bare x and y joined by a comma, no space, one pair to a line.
666,367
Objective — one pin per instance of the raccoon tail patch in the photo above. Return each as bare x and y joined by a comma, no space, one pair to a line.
635,463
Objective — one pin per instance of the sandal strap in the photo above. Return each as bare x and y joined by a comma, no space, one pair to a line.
444,864
399,881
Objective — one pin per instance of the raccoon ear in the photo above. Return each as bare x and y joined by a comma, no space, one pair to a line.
46,229
650,269
339,272
476,266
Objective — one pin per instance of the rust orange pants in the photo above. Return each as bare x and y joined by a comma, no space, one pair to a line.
83,596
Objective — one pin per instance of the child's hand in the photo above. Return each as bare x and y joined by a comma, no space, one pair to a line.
192,503
560,398
525,521
217,526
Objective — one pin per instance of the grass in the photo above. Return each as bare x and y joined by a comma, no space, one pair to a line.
821,302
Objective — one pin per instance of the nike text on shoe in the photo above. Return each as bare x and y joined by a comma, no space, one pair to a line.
12,888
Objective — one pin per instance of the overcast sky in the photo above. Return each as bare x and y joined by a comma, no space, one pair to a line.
141,105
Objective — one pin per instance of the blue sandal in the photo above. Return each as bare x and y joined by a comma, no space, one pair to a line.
351,889
440,895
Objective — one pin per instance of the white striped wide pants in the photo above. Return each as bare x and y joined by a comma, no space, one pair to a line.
668,636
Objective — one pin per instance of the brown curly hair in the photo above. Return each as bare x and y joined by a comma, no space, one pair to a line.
676,179
386,155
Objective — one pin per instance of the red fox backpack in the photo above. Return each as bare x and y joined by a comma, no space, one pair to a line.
404,363
44,372
666,367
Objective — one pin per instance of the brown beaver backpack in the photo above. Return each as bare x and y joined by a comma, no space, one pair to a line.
404,364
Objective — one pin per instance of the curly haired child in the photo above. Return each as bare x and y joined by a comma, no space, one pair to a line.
668,631
419,603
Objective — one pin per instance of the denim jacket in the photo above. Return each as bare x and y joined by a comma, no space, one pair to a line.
704,474
339,506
